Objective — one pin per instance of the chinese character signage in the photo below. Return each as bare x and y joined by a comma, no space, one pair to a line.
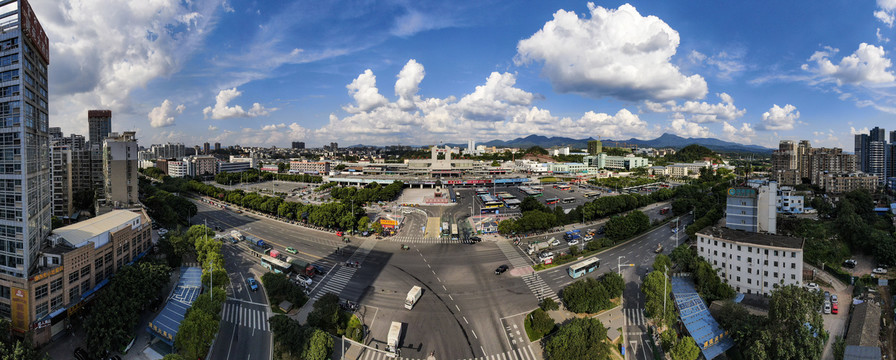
32,29
20,312
742,192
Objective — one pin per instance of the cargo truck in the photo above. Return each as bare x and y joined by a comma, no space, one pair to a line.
537,246
392,340
412,298
236,235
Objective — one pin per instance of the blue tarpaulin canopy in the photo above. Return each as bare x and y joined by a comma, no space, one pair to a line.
168,321
710,337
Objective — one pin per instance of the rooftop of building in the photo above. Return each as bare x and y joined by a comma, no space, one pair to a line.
83,231
762,239
864,328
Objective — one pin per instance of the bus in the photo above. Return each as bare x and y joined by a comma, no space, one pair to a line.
569,200
275,265
591,194
481,191
552,201
492,204
563,187
582,268
454,233
446,230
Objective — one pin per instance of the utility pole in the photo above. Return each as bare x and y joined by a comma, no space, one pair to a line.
665,280
619,265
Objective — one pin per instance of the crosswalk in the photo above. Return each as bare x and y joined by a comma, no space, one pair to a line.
422,240
535,283
635,316
344,274
525,353
240,315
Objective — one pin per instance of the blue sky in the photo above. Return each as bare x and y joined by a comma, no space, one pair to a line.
414,72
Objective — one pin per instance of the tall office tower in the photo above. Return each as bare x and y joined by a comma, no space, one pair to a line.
891,160
802,155
205,149
100,125
61,173
25,185
120,169
893,136
217,146
594,147
298,145
861,150
334,146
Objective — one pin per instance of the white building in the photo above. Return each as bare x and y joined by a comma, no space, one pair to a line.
788,202
178,168
560,151
687,169
752,263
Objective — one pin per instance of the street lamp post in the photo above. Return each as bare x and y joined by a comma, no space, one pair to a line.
619,264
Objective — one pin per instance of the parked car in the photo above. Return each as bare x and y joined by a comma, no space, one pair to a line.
879,271
827,307
253,285
304,278
501,269
292,250
812,287
546,255
834,298
827,296
849,263
555,242
834,309
588,238
572,242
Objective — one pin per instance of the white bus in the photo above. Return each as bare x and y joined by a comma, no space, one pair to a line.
582,268
454,234
275,265
569,200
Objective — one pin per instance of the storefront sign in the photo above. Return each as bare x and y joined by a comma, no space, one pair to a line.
742,192
47,274
20,313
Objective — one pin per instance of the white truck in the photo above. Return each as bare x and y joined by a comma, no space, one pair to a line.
392,340
236,235
412,298
539,245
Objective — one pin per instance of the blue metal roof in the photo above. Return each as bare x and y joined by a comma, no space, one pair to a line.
168,321
710,337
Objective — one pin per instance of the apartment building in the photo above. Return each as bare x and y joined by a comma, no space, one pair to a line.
752,263
202,165
844,183
120,169
788,202
752,209
61,173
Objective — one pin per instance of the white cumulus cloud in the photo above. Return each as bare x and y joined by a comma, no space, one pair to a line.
779,118
885,14
408,84
617,53
222,110
163,115
684,128
868,64
366,95
743,135
698,111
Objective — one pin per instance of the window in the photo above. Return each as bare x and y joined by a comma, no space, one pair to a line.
108,258
776,275
56,285
738,248
715,252
765,262
738,268
749,281
793,265
40,292
85,286
765,273
56,302
766,251
73,277
99,277
723,245
750,260
793,254
41,309
776,264
749,249
715,262
738,258
765,284
792,276
738,279
750,271
776,252
98,263
85,271
4,292
74,294
715,242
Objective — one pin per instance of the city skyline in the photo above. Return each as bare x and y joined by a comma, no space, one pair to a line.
264,74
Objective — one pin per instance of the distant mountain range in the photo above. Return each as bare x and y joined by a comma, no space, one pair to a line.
664,141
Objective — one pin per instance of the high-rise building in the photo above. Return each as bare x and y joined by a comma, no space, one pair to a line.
298,145
334,146
169,150
802,157
861,145
100,125
871,153
54,133
786,162
217,146
594,147
25,183
205,149
61,173
891,160
823,161
892,136
81,167
120,169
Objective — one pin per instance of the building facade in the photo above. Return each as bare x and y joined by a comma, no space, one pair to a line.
202,166
120,169
168,151
178,168
99,124
752,209
839,184
298,145
788,202
80,260
595,147
824,161
308,167
752,263
232,167
61,173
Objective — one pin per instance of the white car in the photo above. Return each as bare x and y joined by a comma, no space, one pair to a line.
588,238
573,242
827,307
546,255
813,287
555,242
879,271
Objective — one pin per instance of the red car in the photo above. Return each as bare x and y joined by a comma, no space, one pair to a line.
834,308
339,233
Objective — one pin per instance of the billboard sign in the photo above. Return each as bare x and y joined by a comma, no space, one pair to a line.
32,29
742,192
20,312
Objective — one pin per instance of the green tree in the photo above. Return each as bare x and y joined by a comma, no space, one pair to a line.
320,346
174,356
326,314
668,339
536,150
795,327
685,349
548,304
662,262
685,256
538,324
584,339
195,335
